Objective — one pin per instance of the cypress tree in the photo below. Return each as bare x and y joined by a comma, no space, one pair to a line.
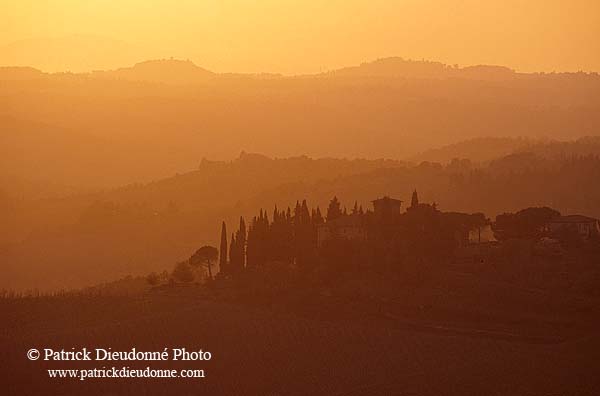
333,210
305,213
233,262
241,242
252,243
414,202
223,249
318,219
297,213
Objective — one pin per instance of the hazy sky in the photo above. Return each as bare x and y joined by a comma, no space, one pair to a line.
308,36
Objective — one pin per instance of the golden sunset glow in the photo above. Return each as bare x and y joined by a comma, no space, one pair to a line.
300,36
328,197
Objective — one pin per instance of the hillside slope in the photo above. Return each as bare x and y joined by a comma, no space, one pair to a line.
158,118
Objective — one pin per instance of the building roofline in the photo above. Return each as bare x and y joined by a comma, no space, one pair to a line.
386,198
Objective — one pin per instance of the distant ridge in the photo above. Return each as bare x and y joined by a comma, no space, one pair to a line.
400,67
177,71
479,149
20,73
168,71
161,70
486,149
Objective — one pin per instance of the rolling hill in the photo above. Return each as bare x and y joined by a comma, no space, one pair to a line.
157,118
138,228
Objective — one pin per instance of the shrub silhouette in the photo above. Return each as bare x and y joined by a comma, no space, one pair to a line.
153,279
183,272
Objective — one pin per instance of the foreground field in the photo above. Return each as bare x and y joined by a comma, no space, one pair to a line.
259,351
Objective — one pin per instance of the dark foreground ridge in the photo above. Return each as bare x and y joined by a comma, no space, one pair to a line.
258,350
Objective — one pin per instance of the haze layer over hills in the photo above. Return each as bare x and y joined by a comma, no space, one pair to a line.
87,238
87,161
157,118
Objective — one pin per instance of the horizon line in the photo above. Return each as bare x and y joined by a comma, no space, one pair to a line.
317,73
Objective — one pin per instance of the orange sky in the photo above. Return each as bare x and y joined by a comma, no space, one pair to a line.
309,36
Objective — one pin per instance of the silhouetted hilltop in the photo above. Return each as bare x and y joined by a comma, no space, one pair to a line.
548,156
487,72
11,73
179,71
237,181
399,67
584,146
476,149
170,71
149,130
496,148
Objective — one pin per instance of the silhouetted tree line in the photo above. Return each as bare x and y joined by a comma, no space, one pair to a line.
526,223
382,240
290,237
518,181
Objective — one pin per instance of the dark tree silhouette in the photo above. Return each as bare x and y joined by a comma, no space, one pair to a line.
290,241
153,279
317,218
183,272
526,223
237,249
414,202
223,249
241,244
205,256
233,253
259,243
333,210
